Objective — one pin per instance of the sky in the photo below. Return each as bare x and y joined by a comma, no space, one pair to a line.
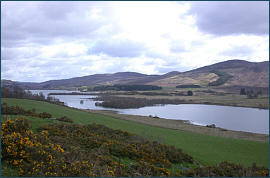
51,40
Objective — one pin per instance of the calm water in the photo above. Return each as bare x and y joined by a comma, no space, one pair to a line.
232,118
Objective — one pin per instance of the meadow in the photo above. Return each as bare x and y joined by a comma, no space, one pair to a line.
205,149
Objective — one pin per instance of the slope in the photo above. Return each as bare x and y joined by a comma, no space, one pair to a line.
244,74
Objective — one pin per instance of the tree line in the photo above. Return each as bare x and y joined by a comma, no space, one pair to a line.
125,87
250,94
188,86
19,93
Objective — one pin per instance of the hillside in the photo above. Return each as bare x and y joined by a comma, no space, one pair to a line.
96,79
251,74
244,74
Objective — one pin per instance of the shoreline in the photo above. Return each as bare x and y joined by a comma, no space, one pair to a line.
183,125
199,103
195,99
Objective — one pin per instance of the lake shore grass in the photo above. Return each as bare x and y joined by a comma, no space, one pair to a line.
205,96
207,149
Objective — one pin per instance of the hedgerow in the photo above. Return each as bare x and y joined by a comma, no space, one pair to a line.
16,110
188,86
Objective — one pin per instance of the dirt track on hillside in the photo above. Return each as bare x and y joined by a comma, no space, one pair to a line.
182,125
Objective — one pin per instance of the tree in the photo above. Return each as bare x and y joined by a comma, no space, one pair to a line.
260,92
189,93
6,93
252,95
41,96
243,91
19,92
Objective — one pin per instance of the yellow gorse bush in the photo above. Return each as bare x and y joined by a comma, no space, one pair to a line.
90,151
19,144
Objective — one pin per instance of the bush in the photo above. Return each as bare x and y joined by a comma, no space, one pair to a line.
226,169
88,151
252,95
19,144
5,109
65,119
243,91
189,93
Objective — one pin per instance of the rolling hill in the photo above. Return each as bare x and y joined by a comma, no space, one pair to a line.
249,74
244,74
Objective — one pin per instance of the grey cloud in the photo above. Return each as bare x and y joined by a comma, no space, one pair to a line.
19,53
123,48
8,53
57,10
232,17
47,21
239,51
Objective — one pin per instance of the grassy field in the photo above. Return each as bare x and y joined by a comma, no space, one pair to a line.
213,96
208,150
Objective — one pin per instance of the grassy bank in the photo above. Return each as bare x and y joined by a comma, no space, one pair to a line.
208,150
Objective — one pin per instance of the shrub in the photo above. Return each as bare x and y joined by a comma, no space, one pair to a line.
251,95
243,91
19,144
5,109
189,93
65,119
226,169
88,151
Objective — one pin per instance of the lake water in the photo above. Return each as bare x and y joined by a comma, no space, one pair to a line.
232,118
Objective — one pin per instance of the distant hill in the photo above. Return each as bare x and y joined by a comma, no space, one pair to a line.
244,73
7,83
97,79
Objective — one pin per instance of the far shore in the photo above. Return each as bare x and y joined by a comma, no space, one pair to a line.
208,99
183,125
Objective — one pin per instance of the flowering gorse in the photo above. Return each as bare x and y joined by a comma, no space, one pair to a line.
71,150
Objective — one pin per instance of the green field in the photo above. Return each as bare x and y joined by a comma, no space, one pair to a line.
208,150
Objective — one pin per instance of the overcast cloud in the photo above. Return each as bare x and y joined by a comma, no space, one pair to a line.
232,17
48,40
